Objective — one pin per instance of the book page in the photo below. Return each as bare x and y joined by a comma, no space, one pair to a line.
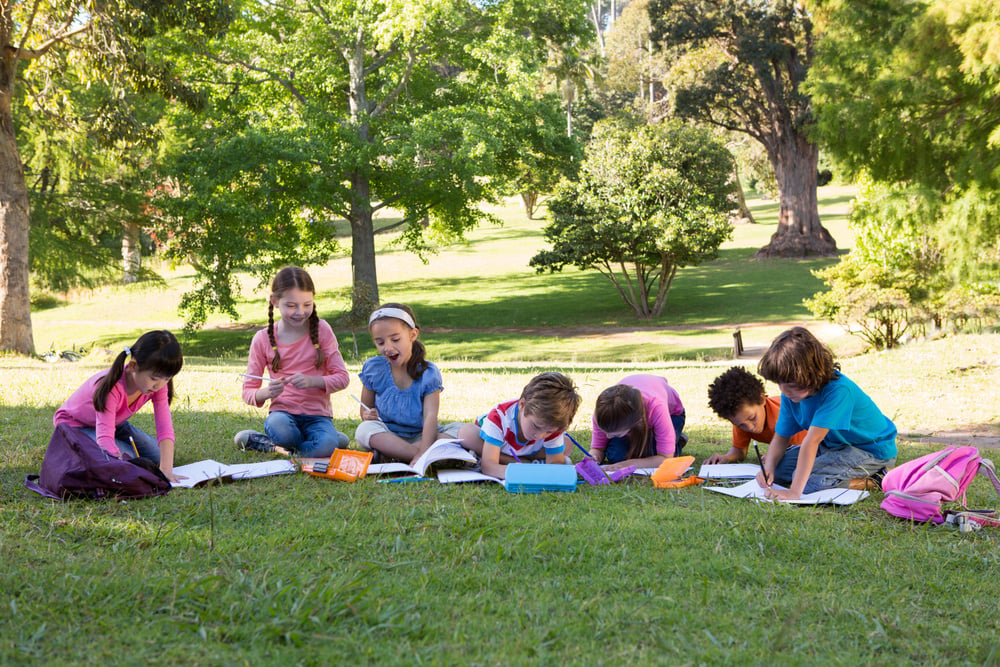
729,470
753,491
461,476
198,472
260,469
442,450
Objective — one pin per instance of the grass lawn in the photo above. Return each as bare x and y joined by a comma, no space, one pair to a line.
297,570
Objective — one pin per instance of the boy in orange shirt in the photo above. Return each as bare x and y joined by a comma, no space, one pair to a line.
738,396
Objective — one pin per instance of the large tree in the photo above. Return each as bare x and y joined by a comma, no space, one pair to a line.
108,41
339,110
740,66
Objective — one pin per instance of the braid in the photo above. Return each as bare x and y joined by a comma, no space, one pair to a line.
276,361
314,336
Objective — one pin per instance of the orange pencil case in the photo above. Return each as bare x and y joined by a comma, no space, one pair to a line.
345,465
670,471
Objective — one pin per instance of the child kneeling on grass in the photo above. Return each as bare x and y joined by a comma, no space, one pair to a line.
738,396
849,442
639,422
525,427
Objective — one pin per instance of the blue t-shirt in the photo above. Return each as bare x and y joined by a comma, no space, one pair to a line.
850,415
401,410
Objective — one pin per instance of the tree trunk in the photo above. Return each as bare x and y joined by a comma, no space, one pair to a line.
800,232
131,253
530,200
15,300
364,280
741,201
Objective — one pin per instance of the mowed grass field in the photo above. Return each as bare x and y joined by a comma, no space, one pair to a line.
296,570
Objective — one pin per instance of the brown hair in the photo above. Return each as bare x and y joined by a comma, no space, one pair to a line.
417,363
552,399
155,351
292,277
620,407
798,357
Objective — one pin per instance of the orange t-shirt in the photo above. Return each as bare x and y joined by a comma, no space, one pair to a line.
772,405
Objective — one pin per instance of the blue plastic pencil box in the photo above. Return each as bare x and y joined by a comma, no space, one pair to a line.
535,478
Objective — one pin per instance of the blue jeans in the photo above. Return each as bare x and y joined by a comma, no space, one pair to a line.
306,435
834,468
144,443
617,449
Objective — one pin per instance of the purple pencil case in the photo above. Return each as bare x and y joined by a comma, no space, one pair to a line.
592,473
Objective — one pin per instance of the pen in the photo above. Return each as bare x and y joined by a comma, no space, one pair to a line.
253,377
760,462
404,479
134,448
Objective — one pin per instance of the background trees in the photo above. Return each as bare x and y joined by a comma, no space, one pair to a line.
921,106
649,200
751,59
107,42
339,110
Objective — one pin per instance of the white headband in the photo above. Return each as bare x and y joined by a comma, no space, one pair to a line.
398,313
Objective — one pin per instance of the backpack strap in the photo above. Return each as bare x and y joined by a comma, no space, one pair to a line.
31,482
987,469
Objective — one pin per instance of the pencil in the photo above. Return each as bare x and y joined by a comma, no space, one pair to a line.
134,448
760,462
359,402
253,377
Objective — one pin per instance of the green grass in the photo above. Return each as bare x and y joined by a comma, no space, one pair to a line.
296,570
450,291
292,569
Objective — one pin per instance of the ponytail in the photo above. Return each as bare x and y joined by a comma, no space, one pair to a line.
155,351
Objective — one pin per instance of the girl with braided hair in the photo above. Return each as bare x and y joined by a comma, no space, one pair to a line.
302,359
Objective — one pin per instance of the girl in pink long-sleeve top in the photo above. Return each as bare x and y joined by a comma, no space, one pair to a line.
303,361
142,373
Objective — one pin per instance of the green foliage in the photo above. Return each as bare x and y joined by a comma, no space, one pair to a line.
918,106
649,201
894,277
341,110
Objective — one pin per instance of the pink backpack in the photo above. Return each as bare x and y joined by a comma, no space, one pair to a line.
916,489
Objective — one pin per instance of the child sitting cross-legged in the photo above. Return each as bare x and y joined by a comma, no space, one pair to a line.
738,396
527,427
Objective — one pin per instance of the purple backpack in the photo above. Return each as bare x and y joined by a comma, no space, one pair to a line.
916,489
75,466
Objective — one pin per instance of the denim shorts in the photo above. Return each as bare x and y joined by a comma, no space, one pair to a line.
834,467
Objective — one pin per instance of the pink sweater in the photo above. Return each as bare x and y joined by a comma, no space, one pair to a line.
78,411
660,401
299,357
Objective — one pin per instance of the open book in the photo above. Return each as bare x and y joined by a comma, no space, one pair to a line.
207,470
442,450
754,491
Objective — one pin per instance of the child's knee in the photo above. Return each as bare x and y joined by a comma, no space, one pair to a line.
366,429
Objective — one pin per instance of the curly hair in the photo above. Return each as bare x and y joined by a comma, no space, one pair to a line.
552,399
732,390
798,357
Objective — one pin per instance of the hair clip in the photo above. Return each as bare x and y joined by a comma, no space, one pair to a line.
127,351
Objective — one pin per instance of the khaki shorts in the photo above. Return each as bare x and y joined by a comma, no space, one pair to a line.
371,427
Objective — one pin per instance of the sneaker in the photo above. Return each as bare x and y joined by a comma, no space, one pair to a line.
253,441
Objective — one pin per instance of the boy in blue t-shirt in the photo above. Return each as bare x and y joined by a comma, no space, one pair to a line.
849,442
